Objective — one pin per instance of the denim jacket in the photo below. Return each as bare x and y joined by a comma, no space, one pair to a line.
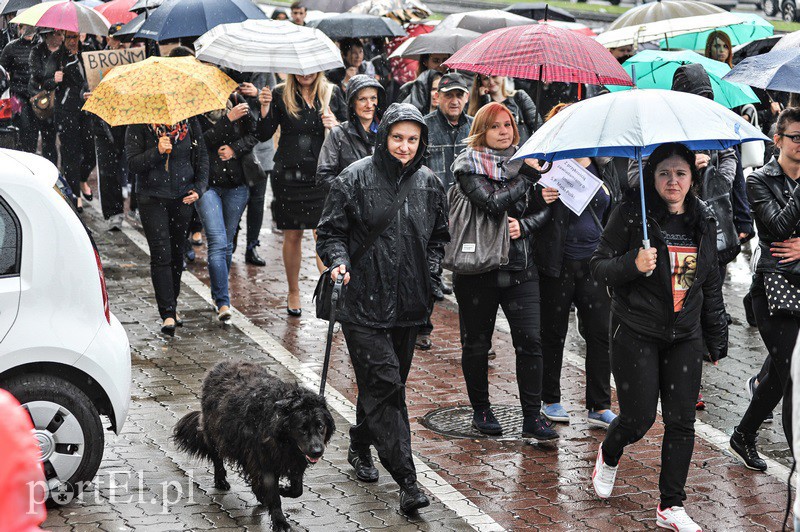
445,143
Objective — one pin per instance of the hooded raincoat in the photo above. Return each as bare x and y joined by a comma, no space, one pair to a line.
393,284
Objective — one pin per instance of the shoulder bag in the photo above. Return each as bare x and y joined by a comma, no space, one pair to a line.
324,292
479,242
254,174
783,296
43,103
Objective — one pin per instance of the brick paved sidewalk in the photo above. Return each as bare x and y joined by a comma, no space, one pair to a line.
520,486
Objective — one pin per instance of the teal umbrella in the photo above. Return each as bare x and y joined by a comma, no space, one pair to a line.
754,27
655,69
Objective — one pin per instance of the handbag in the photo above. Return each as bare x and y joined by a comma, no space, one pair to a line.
254,173
479,241
43,104
324,292
783,297
715,191
753,152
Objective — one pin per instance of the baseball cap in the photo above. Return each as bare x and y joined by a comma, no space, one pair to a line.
452,81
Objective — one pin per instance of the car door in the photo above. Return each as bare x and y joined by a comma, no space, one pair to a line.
10,253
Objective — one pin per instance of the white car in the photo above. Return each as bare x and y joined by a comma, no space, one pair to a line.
63,354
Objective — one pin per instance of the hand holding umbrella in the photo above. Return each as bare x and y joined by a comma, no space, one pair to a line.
265,99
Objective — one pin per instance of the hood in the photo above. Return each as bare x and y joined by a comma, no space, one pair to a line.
356,83
399,112
694,80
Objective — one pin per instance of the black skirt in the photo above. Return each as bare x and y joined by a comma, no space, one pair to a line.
298,201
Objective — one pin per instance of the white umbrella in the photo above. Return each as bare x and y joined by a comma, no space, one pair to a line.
482,21
633,123
663,10
664,29
268,46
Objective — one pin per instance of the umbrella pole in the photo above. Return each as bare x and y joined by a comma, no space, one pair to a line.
538,98
646,241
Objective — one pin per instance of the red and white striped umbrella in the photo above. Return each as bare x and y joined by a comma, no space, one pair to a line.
540,52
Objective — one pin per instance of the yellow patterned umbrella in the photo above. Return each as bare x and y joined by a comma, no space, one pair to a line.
159,90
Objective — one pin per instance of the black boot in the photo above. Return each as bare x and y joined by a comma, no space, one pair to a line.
251,257
362,463
743,447
412,498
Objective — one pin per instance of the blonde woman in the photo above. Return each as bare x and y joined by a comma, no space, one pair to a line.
488,89
301,107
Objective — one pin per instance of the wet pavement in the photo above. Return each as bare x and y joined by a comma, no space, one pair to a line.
485,484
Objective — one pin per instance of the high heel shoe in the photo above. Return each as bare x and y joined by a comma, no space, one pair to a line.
295,312
168,328
178,322
89,196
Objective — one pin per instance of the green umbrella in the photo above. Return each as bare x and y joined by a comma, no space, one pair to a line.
655,69
754,27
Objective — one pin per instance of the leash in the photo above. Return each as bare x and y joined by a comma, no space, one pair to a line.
335,296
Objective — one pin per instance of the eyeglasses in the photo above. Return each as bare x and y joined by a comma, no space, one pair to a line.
793,138
72,37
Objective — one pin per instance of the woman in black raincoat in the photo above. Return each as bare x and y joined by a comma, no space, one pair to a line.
355,139
390,290
667,314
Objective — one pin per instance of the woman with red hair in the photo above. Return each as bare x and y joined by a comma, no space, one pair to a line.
503,188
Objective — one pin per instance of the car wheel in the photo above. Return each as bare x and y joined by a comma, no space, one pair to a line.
770,7
789,11
67,428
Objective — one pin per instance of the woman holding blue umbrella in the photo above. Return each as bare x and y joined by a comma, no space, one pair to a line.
667,314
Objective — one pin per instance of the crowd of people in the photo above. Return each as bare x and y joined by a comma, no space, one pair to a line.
371,163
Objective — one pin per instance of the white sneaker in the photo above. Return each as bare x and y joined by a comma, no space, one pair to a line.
603,476
675,518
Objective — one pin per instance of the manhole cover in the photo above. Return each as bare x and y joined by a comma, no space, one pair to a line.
456,422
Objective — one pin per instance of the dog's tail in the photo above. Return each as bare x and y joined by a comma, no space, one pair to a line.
188,436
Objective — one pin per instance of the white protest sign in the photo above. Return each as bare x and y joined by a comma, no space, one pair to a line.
97,64
576,185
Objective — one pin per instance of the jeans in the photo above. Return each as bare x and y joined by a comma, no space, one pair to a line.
255,213
478,304
576,285
779,334
220,210
381,360
164,222
644,368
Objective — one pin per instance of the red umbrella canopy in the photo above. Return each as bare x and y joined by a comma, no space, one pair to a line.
541,52
117,11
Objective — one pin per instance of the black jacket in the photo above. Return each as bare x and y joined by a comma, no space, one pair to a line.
549,251
394,283
69,93
239,135
348,142
645,304
514,198
15,58
418,92
775,204
144,160
524,111
38,60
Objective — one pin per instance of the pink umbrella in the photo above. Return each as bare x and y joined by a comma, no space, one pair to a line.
64,15
117,11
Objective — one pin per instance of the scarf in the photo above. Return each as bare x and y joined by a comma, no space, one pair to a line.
494,164
176,133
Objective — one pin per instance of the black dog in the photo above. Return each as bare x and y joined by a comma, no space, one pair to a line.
267,428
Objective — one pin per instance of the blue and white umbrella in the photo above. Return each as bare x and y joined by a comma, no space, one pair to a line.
632,124
174,19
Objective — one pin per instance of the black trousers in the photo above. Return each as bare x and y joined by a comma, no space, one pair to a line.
576,285
255,213
77,149
382,359
644,369
28,126
112,170
779,334
478,304
165,222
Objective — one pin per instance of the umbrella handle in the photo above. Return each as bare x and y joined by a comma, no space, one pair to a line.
646,244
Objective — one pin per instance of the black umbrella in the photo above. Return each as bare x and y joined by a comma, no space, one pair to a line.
12,6
535,11
443,42
145,5
127,32
331,6
354,25
757,47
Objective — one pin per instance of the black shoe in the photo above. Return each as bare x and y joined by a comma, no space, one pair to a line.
485,422
423,342
190,254
492,355
728,318
88,197
743,447
447,289
79,208
538,428
362,463
251,257
169,330
412,498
